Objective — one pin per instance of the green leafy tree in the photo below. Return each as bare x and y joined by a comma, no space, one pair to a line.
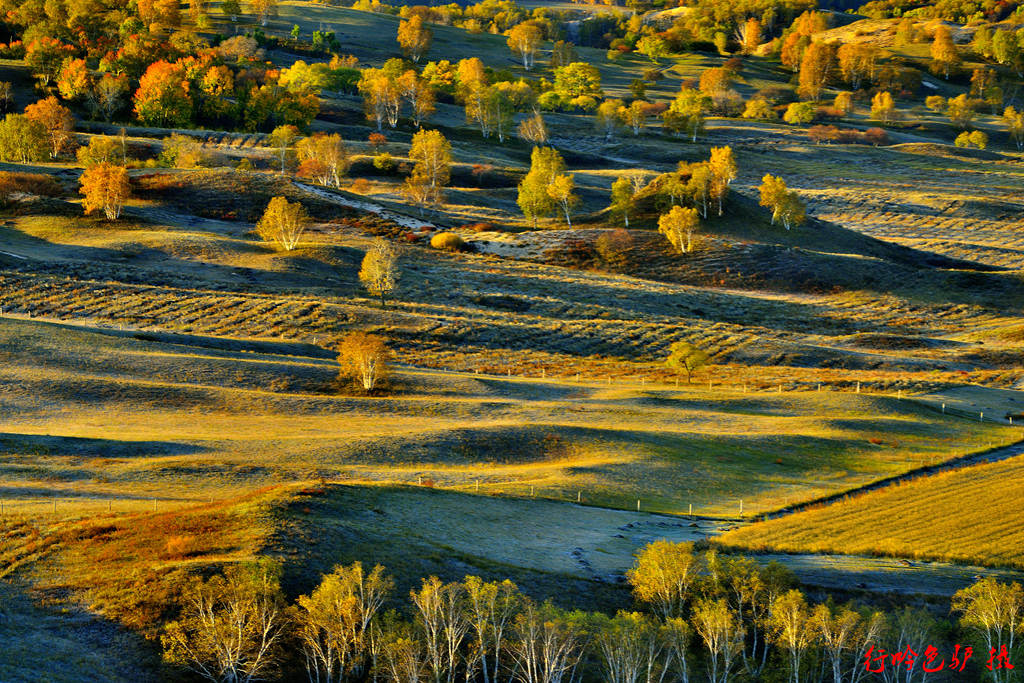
623,193
534,201
22,140
686,113
798,113
576,79
652,47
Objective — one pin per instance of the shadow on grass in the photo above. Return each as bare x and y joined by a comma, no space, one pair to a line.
73,446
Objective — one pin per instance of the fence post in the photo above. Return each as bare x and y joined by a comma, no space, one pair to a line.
638,505
579,496
858,387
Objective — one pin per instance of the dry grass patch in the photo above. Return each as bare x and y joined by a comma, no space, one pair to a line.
970,515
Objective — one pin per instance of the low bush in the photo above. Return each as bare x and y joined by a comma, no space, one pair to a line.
29,183
447,241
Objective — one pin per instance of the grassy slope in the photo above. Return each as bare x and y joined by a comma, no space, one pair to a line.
113,418
970,515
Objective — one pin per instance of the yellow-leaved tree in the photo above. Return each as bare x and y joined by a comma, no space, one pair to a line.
664,576
283,223
363,358
678,226
379,273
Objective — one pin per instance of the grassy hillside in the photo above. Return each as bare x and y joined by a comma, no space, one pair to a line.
968,516
134,421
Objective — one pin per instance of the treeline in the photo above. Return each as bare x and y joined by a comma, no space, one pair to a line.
699,616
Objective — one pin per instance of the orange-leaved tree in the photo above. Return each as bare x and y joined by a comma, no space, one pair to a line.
56,119
105,187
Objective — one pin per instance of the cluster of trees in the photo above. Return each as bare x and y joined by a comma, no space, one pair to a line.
785,204
687,195
148,58
704,615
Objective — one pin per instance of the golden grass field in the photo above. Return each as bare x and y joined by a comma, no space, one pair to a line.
969,516
114,420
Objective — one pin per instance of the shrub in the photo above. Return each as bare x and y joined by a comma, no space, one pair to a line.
360,186
179,547
447,241
876,136
552,101
28,183
584,103
384,162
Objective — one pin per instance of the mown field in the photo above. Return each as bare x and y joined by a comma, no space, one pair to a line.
970,515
